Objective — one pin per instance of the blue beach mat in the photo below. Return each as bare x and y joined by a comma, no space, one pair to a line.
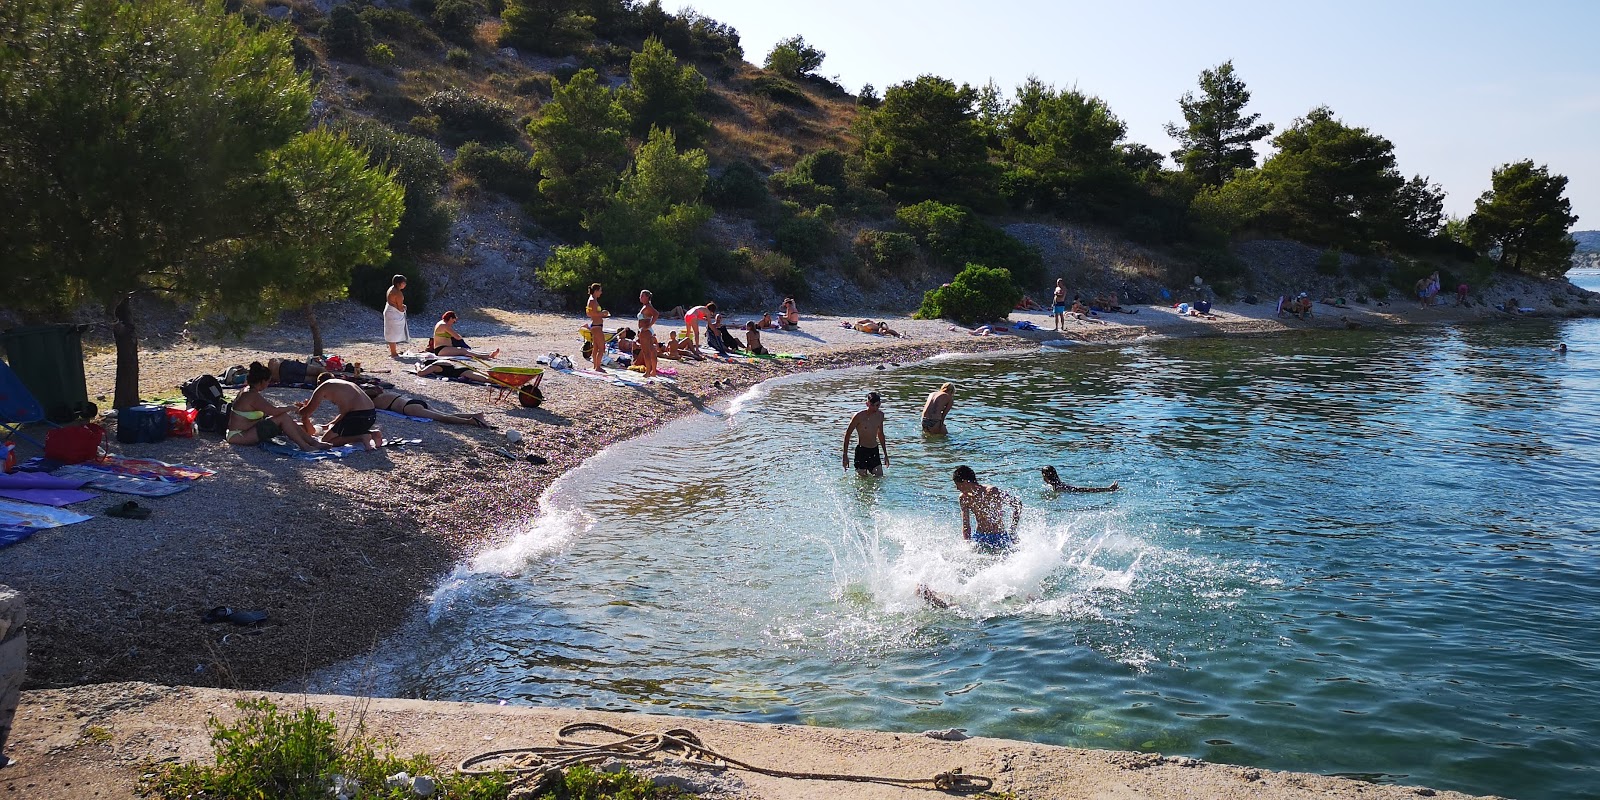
28,515
122,484
11,534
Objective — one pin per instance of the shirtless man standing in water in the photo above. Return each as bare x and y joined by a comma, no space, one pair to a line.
867,424
937,408
987,505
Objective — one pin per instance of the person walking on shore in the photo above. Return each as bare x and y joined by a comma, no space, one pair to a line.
867,425
597,326
394,316
1058,304
987,505
937,408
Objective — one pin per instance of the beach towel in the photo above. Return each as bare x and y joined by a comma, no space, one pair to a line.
403,416
394,325
667,371
33,480
148,468
11,534
122,484
282,447
29,515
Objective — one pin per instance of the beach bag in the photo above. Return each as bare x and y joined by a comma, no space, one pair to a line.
180,422
74,444
213,419
203,391
142,424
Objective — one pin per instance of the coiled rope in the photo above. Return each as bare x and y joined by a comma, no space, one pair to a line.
536,764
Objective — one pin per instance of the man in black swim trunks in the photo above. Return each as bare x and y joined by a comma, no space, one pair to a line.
867,424
357,414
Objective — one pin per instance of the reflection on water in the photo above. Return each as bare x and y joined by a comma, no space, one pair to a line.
1357,553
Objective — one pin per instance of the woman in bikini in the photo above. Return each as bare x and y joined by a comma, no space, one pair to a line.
647,337
388,400
446,342
597,327
253,418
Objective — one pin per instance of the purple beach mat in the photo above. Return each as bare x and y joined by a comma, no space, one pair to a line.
54,498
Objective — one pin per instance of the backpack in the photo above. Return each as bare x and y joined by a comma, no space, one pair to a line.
213,419
202,392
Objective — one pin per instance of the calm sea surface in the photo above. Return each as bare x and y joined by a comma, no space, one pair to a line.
1370,554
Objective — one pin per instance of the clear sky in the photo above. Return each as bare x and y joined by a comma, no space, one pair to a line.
1460,87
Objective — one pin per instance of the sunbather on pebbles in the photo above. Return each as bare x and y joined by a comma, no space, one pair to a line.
417,407
445,368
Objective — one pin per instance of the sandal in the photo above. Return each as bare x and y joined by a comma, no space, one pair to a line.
128,510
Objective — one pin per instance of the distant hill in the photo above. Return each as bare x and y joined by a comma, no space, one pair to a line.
1588,241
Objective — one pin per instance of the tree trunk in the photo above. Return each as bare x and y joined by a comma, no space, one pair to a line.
122,332
316,330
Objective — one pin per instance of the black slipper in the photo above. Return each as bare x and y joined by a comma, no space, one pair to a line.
535,458
128,510
226,614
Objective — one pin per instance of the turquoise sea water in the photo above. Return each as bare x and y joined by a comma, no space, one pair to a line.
1370,554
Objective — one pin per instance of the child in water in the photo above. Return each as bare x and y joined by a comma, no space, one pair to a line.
1052,480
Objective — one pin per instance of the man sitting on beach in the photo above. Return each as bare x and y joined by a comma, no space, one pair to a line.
357,414
987,504
937,408
867,424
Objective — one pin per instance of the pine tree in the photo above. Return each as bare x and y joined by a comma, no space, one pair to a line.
1525,216
1218,138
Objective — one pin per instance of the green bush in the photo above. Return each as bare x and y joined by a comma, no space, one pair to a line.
455,20
420,170
977,294
296,756
458,58
466,117
956,237
425,125
817,178
726,266
1378,291
779,90
381,55
1329,263
502,169
885,250
402,27
804,235
738,187
346,34
781,271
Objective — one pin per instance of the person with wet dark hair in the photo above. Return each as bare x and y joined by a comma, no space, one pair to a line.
986,505
1052,480
253,419
867,425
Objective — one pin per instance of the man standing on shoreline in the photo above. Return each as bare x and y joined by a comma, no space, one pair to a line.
937,407
867,424
1058,304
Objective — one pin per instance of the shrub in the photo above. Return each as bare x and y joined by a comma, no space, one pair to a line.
402,27
818,177
346,34
419,168
885,250
425,125
381,54
1329,263
465,117
794,58
977,294
295,756
739,186
503,169
458,58
1378,291
455,20
779,90
781,271
726,266
804,235
956,237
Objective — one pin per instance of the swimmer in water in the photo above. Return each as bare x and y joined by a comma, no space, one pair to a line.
1052,480
987,505
867,425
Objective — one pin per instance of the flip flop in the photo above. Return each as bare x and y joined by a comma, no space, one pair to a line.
535,458
226,614
128,510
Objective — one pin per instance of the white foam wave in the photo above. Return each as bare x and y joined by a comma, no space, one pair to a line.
546,535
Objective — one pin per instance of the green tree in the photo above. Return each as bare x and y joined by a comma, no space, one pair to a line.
579,146
135,132
645,235
924,142
977,294
794,58
1218,138
1525,216
1062,152
661,94
1331,183
327,212
419,168
553,27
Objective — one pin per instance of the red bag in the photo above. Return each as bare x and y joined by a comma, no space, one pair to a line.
180,421
75,444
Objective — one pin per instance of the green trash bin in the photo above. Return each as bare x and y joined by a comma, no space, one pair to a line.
48,359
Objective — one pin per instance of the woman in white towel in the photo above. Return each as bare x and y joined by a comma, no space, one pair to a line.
394,316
